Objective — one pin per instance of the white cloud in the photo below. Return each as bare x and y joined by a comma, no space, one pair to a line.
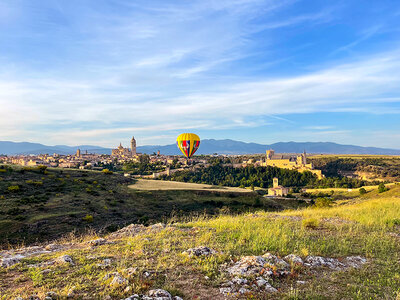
156,68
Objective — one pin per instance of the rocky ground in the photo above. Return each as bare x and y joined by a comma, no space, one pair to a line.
243,276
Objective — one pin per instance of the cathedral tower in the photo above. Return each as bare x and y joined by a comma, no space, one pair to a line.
133,146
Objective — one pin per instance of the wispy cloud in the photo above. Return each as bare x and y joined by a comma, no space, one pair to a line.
151,69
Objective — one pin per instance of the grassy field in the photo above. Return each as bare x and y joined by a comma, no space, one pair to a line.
158,185
40,205
368,226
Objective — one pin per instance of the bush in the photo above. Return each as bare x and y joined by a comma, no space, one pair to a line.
362,191
88,218
13,188
382,188
322,202
107,171
310,223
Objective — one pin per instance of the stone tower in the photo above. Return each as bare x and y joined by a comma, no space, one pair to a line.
78,152
275,183
133,146
270,153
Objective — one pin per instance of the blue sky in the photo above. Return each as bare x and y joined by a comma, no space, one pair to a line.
97,72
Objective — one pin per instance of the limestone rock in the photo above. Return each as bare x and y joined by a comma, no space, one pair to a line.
105,264
275,261
269,288
66,259
97,242
355,261
9,261
319,261
293,259
118,281
200,251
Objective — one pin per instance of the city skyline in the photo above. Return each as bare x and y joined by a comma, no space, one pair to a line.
249,70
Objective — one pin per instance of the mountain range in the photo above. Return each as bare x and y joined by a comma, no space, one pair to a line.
208,146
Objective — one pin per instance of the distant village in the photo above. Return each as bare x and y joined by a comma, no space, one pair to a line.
167,164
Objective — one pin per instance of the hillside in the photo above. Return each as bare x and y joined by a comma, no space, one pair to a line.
41,204
348,251
208,146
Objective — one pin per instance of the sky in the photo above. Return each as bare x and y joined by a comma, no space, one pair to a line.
98,72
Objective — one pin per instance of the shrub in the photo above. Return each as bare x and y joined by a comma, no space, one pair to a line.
107,171
310,223
13,188
88,218
322,202
382,188
3,170
362,191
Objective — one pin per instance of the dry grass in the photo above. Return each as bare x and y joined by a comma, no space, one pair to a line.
151,185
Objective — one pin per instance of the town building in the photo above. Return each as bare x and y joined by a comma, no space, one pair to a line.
277,190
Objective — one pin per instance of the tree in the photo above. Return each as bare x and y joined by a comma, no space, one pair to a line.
382,188
362,191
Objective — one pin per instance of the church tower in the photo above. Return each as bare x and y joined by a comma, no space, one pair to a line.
133,146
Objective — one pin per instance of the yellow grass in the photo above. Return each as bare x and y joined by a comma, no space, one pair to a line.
151,185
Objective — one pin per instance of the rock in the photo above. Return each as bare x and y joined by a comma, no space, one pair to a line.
33,297
319,261
158,294
97,242
261,282
134,229
146,274
247,266
293,259
46,271
243,291
66,259
10,261
200,251
240,281
226,291
52,295
300,282
118,281
18,298
106,263
355,261
53,247
269,288
177,298
133,297
274,260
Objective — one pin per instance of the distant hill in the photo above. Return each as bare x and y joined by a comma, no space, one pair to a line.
208,146
14,148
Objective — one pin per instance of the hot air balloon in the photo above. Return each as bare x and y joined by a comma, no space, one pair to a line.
188,143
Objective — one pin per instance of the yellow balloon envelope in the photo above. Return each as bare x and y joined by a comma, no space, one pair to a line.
188,143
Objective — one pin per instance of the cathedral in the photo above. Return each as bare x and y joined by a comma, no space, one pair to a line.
122,152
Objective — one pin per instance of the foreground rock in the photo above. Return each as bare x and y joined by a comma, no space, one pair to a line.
157,294
200,251
254,273
135,229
